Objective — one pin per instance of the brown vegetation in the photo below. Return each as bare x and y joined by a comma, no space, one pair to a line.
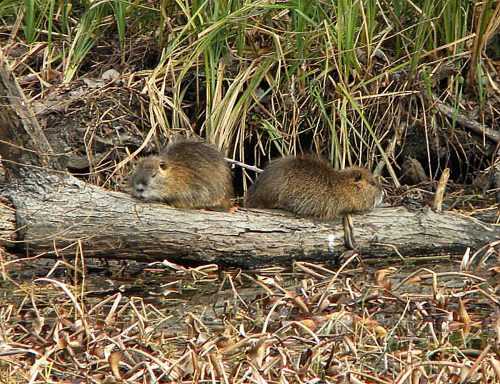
165,323
407,89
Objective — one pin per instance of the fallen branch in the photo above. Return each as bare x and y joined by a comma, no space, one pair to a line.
55,213
466,121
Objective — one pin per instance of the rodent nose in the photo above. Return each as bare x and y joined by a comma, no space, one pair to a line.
139,188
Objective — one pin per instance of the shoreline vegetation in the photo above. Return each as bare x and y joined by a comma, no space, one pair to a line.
408,89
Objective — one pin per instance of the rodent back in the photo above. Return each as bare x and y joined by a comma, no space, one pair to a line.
311,187
189,152
201,166
201,160
296,184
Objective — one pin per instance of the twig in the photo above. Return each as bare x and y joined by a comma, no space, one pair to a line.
438,196
243,165
466,121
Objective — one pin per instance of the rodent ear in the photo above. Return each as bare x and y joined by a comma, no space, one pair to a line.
357,176
163,165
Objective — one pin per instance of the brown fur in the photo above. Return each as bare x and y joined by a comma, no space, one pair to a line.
310,187
188,174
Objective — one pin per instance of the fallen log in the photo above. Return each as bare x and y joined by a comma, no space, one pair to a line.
49,212
57,213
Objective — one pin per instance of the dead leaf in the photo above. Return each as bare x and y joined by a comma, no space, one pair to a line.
495,364
258,352
299,303
38,323
463,315
309,323
382,277
114,363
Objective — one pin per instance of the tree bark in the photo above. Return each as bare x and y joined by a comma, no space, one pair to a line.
21,138
56,213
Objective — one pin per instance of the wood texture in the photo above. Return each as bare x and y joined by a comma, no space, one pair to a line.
21,138
55,211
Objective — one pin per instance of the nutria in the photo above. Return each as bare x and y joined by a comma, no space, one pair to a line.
311,187
188,174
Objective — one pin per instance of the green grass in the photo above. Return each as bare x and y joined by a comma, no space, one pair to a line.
327,76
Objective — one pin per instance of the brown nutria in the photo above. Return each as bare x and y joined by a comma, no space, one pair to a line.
311,187
188,174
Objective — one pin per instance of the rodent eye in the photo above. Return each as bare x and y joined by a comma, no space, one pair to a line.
358,176
163,165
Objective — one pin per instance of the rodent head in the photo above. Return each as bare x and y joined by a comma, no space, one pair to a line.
149,179
367,191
